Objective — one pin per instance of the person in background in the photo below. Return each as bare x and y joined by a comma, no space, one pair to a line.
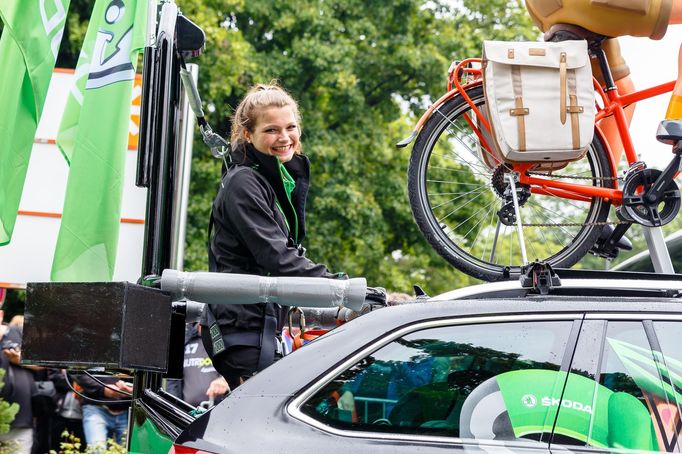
68,415
18,385
201,384
105,408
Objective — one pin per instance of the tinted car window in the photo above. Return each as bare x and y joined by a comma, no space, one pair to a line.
610,409
467,381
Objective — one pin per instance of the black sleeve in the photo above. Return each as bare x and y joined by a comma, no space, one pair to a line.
90,387
246,204
56,376
174,387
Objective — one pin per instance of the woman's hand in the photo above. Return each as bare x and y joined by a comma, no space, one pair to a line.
13,355
111,392
217,388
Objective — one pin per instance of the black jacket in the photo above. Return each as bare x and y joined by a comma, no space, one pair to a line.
252,236
92,388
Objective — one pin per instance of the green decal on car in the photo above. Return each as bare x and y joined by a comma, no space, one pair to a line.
590,412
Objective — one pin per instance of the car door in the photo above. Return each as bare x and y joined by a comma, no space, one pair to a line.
466,383
622,391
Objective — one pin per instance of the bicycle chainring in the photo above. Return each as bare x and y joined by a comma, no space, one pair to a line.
647,213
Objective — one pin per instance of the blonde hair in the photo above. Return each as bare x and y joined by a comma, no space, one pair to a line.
259,98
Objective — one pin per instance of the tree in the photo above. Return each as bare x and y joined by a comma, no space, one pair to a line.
363,72
7,411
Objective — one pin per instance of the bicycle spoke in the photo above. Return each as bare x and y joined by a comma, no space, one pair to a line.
468,133
547,217
458,208
473,245
544,238
453,193
457,157
459,197
474,214
450,169
565,200
493,248
453,182
555,235
483,172
485,246
540,211
451,123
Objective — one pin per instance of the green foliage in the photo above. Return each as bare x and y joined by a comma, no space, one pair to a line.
7,411
71,444
363,72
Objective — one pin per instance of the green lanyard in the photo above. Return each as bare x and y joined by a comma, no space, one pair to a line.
289,185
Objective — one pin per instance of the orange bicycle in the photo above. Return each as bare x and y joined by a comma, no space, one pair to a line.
462,195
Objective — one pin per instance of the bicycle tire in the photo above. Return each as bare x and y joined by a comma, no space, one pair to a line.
427,175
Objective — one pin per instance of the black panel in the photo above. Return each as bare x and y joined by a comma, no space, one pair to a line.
109,324
176,353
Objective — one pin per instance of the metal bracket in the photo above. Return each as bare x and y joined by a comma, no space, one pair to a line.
658,251
519,225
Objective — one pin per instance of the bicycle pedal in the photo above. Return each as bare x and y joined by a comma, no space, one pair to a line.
611,241
669,132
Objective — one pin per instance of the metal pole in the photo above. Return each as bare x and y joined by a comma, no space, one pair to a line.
156,255
183,167
658,251
519,224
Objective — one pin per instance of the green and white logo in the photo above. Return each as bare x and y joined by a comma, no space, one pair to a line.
529,400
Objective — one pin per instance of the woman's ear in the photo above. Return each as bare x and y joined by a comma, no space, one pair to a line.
246,135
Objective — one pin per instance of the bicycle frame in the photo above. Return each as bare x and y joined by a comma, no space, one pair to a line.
613,104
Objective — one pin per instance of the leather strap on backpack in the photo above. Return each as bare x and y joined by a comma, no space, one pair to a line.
519,111
574,109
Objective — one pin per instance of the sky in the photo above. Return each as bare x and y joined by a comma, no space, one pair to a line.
652,63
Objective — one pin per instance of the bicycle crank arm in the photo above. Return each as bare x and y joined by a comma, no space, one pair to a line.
655,193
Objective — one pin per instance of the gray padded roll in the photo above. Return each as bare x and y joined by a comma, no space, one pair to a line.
225,288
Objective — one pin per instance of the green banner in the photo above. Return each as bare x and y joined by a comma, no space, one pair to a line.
28,51
93,137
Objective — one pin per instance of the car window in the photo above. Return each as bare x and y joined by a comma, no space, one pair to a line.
666,401
461,381
606,403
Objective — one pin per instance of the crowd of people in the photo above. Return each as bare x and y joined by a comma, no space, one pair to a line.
49,402
89,405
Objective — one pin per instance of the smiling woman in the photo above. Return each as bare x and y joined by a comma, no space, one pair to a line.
276,133
259,221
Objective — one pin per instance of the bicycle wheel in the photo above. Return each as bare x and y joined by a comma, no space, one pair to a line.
457,191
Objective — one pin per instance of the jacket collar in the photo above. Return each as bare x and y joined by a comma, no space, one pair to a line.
245,154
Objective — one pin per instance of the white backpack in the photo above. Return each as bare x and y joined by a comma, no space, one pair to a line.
540,100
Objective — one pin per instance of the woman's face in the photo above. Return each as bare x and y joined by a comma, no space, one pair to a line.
275,133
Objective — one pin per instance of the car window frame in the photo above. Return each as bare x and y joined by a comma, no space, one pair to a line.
294,407
607,317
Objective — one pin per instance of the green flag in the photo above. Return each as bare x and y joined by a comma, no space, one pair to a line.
93,136
28,50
